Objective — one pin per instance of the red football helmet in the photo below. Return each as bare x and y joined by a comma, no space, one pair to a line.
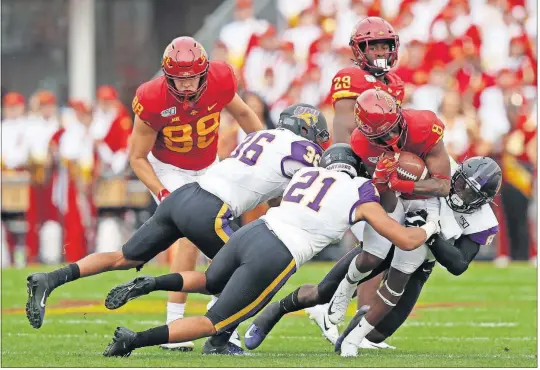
185,58
369,30
379,118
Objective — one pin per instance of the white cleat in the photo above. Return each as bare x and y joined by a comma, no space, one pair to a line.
366,344
348,349
319,316
340,301
235,339
183,347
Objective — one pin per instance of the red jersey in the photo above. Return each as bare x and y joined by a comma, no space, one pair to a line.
350,82
424,131
187,138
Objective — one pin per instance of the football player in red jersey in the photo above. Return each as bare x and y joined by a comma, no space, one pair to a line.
175,134
375,46
174,141
382,127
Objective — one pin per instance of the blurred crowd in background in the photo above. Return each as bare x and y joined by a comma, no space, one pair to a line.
65,171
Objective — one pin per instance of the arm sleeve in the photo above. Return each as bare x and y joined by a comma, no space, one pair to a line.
455,257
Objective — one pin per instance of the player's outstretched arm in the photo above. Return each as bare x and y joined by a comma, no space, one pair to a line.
457,256
244,115
141,143
344,125
438,165
406,238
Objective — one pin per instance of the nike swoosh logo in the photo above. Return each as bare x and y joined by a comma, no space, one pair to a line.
248,333
326,327
42,303
330,308
211,107
423,269
131,287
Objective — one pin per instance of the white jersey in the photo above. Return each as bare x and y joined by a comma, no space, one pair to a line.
481,225
259,169
317,209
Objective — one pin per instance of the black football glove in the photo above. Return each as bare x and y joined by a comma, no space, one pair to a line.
416,218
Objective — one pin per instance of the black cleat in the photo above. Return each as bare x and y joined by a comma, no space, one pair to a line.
122,343
122,294
38,292
353,324
227,349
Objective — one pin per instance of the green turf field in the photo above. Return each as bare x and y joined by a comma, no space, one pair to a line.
485,318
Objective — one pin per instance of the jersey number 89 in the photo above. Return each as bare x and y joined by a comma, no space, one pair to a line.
183,143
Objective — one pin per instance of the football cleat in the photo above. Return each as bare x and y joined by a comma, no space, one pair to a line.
262,325
38,292
343,346
319,315
340,301
235,337
181,347
366,344
228,349
122,343
122,294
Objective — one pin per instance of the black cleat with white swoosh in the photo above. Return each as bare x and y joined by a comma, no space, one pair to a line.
121,294
38,292
122,343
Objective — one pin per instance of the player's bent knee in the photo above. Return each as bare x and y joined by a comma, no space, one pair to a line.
123,263
214,286
366,262
309,295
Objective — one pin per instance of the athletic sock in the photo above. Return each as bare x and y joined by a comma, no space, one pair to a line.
152,337
63,275
170,282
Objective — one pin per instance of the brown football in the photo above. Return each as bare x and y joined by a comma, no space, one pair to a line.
411,167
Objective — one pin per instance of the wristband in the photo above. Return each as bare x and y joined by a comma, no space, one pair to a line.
430,228
163,193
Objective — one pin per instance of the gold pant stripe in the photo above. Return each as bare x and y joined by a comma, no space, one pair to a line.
259,299
218,225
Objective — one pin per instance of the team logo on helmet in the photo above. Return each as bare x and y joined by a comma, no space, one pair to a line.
204,57
308,117
167,61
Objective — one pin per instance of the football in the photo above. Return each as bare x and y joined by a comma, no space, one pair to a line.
411,167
